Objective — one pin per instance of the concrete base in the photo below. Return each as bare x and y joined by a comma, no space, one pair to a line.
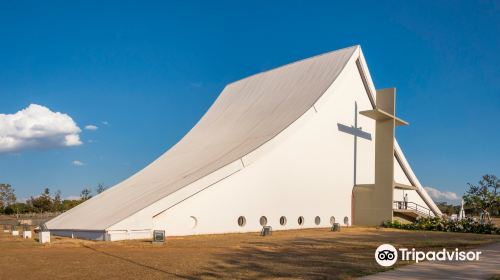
402,218
15,233
368,210
27,234
44,237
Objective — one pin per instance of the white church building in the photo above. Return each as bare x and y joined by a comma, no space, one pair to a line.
304,145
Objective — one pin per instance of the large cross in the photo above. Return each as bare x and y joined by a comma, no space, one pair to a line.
356,132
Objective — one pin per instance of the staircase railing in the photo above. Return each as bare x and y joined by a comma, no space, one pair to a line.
419,209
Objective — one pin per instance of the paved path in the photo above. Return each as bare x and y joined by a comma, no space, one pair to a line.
487,267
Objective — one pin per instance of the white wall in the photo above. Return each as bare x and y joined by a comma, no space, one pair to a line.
399,175
305,171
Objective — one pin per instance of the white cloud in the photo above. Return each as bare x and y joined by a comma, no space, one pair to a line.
78,163
439,196
72,197
105,123
37,127
91,127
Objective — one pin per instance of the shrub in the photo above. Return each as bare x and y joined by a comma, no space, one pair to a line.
439,224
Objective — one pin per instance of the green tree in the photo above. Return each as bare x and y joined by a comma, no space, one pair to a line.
86,194
42,203
7,196
484,196
18,208
68,204
57,202
448,209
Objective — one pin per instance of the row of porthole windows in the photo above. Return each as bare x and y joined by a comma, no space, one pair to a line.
300,220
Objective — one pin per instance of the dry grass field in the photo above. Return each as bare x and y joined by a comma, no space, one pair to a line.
301,254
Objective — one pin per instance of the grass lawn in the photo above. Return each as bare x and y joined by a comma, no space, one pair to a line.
299,254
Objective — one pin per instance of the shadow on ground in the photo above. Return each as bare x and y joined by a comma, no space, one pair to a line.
311,258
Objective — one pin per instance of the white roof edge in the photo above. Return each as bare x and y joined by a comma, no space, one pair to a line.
356,51
367,75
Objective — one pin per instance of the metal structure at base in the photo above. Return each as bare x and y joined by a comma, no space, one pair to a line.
159,237
267,230
335,227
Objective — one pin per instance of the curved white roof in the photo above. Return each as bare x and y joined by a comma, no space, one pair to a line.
247,114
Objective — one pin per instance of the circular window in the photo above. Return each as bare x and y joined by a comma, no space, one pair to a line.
283,220
263,221
193,222
317,220
346,220
332,220
300,220
242,221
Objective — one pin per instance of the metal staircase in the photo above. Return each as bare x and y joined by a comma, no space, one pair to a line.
411,209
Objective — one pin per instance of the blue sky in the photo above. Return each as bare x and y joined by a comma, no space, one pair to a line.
144,72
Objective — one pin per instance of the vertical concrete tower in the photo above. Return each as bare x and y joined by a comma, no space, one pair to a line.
373,203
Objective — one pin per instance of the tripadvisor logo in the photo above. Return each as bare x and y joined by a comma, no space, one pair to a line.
387,255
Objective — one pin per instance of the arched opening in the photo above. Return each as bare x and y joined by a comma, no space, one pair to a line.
283,220
193,222
242,221
263,221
